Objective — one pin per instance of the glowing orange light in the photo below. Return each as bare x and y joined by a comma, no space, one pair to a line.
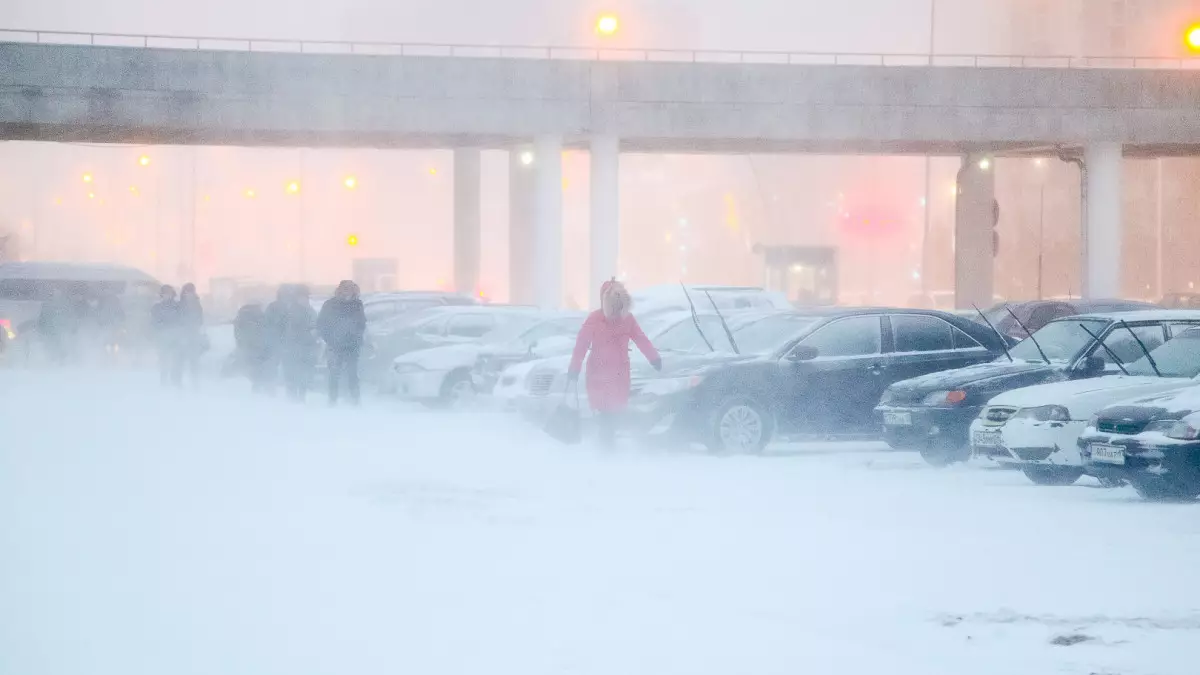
351,182
432,171
144,160
1192,38
293,187
607,25
352,240
250,194
87,177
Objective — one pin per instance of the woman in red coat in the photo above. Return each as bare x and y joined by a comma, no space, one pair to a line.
606,333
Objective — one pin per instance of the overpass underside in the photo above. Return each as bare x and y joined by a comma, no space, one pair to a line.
540,106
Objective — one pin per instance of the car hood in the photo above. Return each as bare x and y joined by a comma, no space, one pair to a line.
1084,397
447,357
1001,374
1165,406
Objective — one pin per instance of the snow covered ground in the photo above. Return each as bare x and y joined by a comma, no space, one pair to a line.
145,532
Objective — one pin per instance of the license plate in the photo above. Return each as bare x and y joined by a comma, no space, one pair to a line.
897,419
1108,454
986,439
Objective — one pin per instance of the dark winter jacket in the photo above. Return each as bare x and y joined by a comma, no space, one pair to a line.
165,320
275,322
191,314
298,339
341,324
250,330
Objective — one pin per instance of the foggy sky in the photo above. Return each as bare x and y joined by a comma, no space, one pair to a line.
894,26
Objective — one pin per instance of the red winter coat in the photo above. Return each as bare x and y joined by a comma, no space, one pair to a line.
608,365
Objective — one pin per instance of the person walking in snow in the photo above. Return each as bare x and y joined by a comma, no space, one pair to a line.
193,340
298,344
606,335
341,324
165,322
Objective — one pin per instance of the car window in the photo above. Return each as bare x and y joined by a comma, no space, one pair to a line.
852,336
25,290
1062,340
964,341
1122,343
915,333
379,310
1175,329
471,325
1180,357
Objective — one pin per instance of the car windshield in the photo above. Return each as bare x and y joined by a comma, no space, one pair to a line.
526,329
1061,340
1178,358
772,332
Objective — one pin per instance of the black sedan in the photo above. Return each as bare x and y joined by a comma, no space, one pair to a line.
1153,443
933,414
813,372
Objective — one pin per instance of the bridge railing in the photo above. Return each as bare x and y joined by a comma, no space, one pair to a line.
590,53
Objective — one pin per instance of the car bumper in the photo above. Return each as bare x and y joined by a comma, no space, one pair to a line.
1023,441
925,426
1142,460
425,384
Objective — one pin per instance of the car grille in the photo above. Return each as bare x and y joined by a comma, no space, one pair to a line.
998,414
540,383
1032,454
1123,427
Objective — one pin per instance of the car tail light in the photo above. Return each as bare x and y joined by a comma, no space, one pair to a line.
6,327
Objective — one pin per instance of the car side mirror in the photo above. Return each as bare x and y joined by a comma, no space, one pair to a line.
1092,364
803,353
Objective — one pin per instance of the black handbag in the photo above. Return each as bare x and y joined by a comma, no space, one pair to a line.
564,424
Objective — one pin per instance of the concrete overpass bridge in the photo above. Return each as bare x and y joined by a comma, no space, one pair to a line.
132,89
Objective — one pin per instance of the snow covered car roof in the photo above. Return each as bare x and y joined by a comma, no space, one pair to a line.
1140,315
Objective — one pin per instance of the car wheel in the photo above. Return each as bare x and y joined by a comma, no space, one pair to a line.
1165,490
944,453
457,390
1052,475
741,425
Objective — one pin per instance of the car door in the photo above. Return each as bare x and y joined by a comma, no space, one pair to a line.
836,388
922,344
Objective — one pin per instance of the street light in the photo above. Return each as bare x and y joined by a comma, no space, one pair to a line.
144,160
1192,38
351,182
250,193
352,240
607,25
985,164
526,158
293,187
87,177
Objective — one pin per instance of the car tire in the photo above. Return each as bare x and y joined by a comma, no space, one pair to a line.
1166,490
456,388
740,425
1052,475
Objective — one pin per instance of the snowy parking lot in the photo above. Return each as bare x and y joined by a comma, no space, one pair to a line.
145,532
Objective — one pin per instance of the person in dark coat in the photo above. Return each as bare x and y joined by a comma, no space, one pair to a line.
341,324
110,321
606,335
165,324
250,338
54,325
298,344
193,340
275,319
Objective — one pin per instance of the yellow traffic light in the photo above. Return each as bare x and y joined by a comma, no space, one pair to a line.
607,25
1192,37
352,240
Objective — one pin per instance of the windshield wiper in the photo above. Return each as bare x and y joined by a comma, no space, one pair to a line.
696,319
999,336
1145,351
1116,359
728,333
1027,332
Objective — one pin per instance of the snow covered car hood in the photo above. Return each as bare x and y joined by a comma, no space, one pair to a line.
448,357
1084,397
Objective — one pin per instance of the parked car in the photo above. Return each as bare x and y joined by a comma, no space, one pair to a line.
1036,428
810,372
933,414
672,298
1035,314
433,327
527,387
1181,301
444,375
1152,443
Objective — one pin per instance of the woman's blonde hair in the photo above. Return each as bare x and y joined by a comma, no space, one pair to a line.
615,300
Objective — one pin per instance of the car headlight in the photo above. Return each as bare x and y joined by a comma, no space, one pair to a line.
952,397
1182,431
1045,413
405,368
673,385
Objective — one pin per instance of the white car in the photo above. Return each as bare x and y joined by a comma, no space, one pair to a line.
443,375
1036,428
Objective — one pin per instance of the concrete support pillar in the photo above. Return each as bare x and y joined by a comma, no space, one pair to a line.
520,225
975,216
548,235
466,220
605,215
1102,221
